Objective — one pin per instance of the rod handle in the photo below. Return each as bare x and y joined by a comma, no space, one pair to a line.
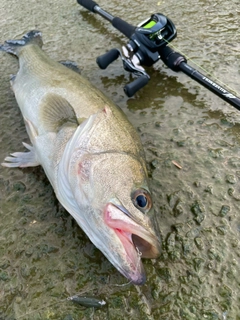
124,27
121,25
88,4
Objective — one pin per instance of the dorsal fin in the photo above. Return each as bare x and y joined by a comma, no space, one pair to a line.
56,112
72,65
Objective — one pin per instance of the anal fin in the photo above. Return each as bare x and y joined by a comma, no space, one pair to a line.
22,159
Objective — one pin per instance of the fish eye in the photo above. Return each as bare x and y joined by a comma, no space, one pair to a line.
142,200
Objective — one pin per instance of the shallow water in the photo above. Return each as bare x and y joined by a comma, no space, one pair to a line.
44,255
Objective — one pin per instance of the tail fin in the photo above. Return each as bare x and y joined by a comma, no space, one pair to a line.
14,46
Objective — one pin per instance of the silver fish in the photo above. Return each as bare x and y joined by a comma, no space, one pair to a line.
89,302
91,154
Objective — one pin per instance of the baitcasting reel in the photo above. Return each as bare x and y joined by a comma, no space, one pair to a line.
148,42
142,49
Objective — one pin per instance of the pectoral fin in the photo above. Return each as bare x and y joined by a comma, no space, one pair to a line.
55,112
22,159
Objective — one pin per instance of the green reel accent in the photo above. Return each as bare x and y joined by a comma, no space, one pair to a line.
150,24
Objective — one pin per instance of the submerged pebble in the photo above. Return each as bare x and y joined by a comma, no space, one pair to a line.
230,178
224,211
198,211
199,243
221,230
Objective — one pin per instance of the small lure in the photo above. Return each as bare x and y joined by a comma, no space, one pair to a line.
88,302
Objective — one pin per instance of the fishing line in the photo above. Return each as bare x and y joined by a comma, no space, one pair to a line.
53,304
50,305
37,310
139,253
146,45
200,67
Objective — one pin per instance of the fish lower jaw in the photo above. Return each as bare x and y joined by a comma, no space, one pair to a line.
135,271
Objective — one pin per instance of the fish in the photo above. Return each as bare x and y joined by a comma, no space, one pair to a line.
90,152
88,302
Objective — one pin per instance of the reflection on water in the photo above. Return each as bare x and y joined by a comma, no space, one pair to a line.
45,257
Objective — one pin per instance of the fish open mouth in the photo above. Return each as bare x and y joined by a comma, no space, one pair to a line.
138,242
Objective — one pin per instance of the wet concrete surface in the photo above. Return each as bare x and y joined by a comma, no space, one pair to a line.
44,255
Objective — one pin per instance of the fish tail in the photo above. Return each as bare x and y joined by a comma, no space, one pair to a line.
15,46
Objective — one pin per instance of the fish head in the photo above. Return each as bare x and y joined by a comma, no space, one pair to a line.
115,208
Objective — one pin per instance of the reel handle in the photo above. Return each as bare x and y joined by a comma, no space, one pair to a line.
131,88
104,60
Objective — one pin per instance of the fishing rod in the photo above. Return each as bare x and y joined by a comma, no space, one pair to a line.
148,43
